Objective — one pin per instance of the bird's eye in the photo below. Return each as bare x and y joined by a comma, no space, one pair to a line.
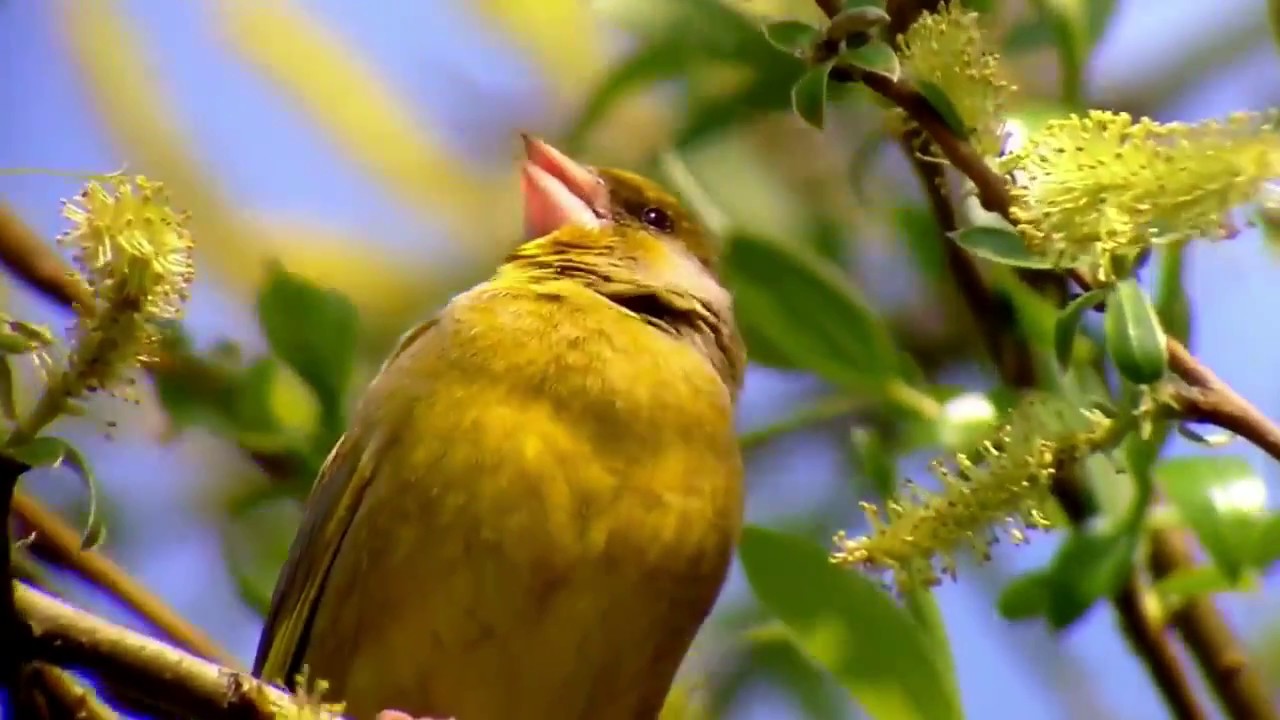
657,218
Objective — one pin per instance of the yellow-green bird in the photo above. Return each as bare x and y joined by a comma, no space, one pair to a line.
537,500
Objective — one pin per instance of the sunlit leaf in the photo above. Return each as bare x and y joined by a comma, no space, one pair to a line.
1068,325
52,452
876,56
1189,583
1223,499
809,95
256,539
1135,340
805,311
1025,597
1091,565
7,400
1001,245
791,36
314,330
850,626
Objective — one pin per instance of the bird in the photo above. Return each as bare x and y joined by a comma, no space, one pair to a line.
537,499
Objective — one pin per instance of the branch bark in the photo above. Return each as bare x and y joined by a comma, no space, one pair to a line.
152,673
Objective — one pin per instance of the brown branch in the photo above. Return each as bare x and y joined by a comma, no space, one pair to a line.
51,693
27,256
154,674
56,542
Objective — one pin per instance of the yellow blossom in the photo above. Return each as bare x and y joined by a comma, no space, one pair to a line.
1005,484
134,252
947,50
1090,188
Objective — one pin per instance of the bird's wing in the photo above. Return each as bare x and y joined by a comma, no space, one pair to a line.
334,500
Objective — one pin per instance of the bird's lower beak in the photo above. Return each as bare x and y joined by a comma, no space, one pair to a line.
559,191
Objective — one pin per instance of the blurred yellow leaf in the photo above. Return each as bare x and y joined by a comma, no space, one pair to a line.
130,103
360,112
562,37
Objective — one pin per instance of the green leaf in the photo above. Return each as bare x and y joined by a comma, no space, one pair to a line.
809,95
8,404
923,608
1077,26
1134,338
792,36
1223,499
1025,597
1064,331
873,459
1190,583
256,540
876,56
1266,546
53,452
1173,307
771,655
1000,245
808,315
314,330
850,626
1089,566
937,97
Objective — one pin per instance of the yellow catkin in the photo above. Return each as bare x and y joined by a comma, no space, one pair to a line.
1090,187
947,50
1003,488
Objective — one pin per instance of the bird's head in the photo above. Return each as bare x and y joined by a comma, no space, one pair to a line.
625,237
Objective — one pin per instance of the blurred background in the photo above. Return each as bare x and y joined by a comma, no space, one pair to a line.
371,147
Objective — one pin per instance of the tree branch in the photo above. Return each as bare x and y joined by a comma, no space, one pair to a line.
28,257
56,542
152,673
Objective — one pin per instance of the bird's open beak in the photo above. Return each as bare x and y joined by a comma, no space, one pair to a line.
558,191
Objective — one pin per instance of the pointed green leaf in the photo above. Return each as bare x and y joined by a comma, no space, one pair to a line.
1173,306
1266,545
1064,331
873,459
1223,499
1001,245
808,315
1191,583
314,330
1135,339
792,36
1025,597
937,97
855,22
1089,566
876,56
849,625
8,404
809,95
256,540
51,452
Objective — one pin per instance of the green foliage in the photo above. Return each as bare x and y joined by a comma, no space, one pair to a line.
889,661
47,451
792,36
1068,325
937,97
1135,340
875,56
1002,245
809,94
1222,499
796,311
313,330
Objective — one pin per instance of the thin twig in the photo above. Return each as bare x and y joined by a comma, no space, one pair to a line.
51,693
160,675
29,258
55,541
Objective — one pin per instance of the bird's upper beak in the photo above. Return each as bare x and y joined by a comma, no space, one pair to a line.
559,191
